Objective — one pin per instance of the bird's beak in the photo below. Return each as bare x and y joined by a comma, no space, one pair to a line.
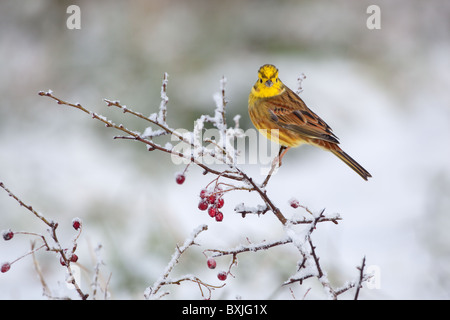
269,83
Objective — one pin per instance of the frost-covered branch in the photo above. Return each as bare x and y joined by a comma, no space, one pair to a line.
223,151
308,266
362,277
193,147
248,248
96,278
164,280
67,255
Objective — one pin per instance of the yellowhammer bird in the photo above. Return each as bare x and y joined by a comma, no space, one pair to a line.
280,115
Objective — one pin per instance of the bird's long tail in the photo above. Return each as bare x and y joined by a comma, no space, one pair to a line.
351,163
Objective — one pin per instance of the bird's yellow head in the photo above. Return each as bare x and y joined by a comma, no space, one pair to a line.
268,84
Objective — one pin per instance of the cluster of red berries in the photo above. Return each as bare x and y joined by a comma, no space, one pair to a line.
212,265
212,201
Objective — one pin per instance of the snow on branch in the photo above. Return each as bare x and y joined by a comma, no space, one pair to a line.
153,292
50,243
194,147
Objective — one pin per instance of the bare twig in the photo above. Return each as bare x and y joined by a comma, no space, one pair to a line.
29,208
46,290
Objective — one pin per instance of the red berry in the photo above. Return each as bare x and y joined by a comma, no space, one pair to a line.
203,205
220,202
211,263
8,235
74,258
222,276
212,199
63,263
203,194
5,267
180,178
294,203
76,223
212,211
219,216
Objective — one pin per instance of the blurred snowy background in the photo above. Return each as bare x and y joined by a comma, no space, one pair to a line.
384,92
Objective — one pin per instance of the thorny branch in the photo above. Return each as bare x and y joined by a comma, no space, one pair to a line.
235,174
362,277
153,291
309,263
57,247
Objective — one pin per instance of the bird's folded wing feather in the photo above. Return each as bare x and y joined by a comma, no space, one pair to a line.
290,112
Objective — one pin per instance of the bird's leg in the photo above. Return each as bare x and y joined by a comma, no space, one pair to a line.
281,153
276,162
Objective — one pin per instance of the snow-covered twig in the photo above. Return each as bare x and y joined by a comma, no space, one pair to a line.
248,248
164,100
153,291
66,256
233,173
244,210
362,277
96,286
298,230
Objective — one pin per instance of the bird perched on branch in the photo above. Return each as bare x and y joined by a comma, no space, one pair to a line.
282,116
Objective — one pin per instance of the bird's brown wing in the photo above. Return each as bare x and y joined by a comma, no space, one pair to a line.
290,112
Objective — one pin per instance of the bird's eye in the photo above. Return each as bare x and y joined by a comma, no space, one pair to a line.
260,81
